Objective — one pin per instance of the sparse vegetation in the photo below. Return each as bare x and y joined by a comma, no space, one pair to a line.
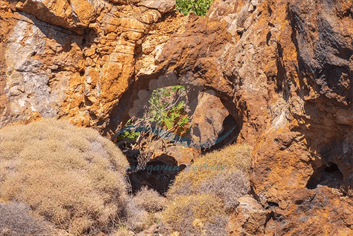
202,196
199,7
72,176
167,108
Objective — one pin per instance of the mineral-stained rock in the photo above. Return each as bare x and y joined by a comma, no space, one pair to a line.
249,219
207,120
162,6
73,15
284,71
75,59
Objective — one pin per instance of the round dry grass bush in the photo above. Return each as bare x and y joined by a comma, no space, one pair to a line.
198,214
214,182
142,209
72,176
229,165
149,200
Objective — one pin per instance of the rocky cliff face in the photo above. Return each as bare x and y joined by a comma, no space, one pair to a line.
76,58
282,69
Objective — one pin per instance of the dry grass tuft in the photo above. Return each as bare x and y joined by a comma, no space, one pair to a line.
123,232
229,160
149,200
193,214
72,176
15,219
221,177
143,208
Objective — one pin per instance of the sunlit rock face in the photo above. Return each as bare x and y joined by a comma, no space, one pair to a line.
282,70
75,59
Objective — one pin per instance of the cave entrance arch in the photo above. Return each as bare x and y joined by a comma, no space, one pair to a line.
137,96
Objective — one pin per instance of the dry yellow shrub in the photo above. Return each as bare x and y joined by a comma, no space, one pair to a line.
72,176
226,161
204,194
195,214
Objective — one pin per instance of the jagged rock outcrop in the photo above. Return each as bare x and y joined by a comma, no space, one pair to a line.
76,58
283,70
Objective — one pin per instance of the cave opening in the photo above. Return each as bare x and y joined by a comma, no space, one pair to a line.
327,175
215,123
157,174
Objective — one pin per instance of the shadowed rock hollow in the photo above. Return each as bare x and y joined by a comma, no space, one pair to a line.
282,69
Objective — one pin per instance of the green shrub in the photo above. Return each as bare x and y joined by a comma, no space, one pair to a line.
166,111
72,176
167,107
199,7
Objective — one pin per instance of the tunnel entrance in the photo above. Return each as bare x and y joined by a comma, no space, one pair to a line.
327,175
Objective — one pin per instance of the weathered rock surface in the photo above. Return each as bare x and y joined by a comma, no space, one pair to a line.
75,59
283,70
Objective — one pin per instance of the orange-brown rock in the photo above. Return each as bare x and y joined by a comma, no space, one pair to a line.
283,69
75,59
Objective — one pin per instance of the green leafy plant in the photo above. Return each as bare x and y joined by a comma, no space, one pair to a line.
167,108
199,7
132,134
165,114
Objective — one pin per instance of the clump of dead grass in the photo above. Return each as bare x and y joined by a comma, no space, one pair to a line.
150,200
228,160
194,214
214,182
16,219
143,209
72,176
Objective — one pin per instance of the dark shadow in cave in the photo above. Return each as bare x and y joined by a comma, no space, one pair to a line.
158,174
327,175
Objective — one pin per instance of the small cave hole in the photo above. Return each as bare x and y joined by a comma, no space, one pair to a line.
158,174
327,175
87,102
273,204
269,10
332,168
